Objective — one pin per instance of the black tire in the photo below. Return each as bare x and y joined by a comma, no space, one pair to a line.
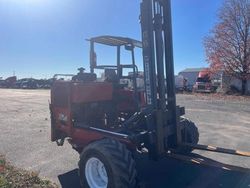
118,162
190,134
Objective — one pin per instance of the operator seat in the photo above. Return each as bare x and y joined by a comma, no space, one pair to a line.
84,77
111,76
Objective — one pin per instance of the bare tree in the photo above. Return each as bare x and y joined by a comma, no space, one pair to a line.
228,44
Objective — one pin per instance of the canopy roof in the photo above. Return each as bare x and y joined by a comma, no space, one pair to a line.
116,41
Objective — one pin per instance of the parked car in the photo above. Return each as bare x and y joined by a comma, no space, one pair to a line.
29,84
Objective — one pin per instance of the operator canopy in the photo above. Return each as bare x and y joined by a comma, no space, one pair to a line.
116,41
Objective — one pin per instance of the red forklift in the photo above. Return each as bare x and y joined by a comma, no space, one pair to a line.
107,122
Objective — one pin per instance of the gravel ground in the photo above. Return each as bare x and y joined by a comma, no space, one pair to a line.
25,134
222,122
25,140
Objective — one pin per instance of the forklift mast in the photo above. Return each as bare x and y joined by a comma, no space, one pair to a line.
158,66
158,61
158,53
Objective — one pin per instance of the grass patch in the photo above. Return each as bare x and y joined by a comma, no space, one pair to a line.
11,177
4,183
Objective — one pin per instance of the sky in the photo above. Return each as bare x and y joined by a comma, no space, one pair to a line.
39,38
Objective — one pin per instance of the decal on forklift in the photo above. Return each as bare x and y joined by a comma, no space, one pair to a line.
145,41
147,81
62,117
147,70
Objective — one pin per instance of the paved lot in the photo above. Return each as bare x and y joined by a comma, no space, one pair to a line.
25,134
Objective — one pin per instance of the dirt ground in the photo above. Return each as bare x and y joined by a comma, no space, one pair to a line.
25,140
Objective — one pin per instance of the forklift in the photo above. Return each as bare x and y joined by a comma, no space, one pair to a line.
107,122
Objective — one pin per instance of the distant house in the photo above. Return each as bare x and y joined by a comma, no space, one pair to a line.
191,74
228,82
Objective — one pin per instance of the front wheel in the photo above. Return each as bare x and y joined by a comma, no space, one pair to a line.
190,135
107,164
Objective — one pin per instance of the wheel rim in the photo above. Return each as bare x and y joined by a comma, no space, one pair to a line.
96,173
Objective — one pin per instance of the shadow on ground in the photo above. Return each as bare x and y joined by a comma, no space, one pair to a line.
172,173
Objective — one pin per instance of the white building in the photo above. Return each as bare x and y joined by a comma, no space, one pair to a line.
228,81
190,74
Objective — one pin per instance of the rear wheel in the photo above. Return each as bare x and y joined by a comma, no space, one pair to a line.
107,164
190,135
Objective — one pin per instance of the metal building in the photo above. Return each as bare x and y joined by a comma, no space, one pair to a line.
191,74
